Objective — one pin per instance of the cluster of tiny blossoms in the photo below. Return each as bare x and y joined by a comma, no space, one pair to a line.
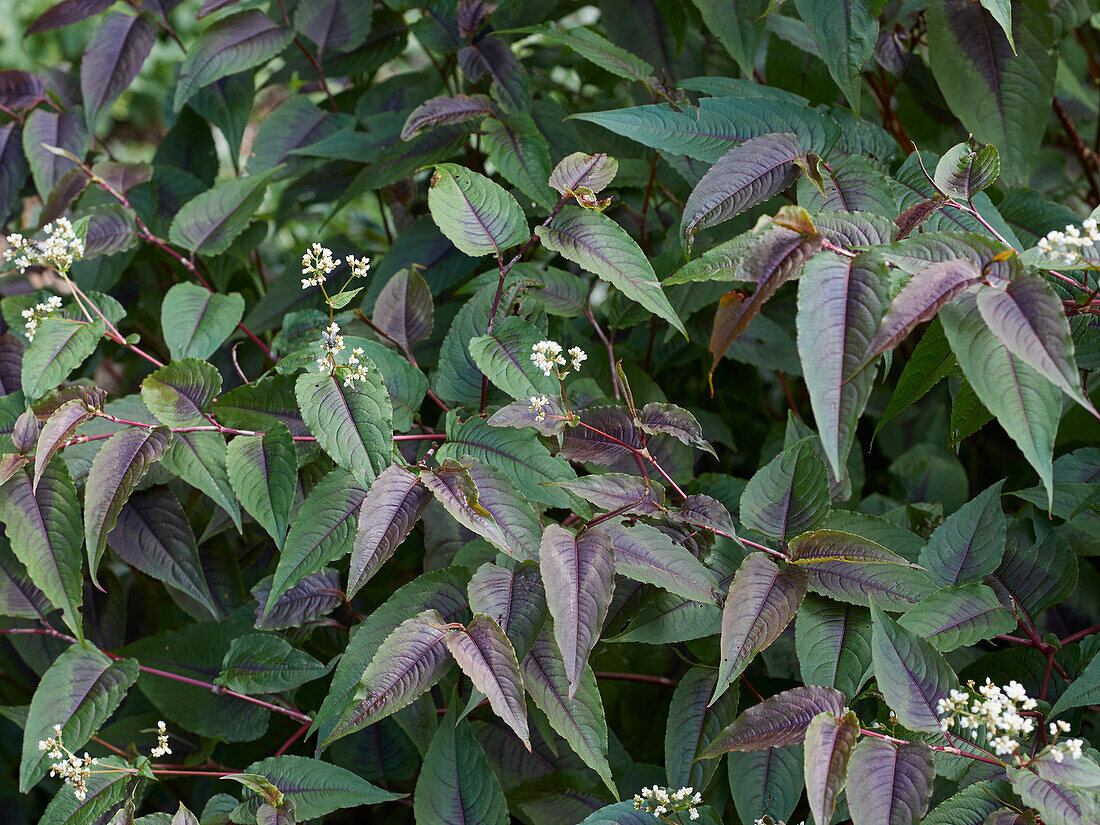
332,344
1066,246
539,403
58,250
73,769
318,264
547,357
770,821
38,314
998,711
660,801
162,748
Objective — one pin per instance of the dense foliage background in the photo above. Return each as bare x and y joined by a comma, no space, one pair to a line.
716,411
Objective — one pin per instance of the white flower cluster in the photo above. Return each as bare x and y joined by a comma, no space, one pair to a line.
317,265
539,403
60,248
1058,749
547,357
998,711
73,769
357,370
332,344
359,266
38,314
162,748
770,821
1065,247
660,801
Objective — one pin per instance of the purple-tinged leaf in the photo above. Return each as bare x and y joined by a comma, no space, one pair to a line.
63,130
995,259
1057,804
60,427
20,89
444,109
13,165
761,602
208,223
334,25
292,127
594,172
889,783
484,653
645,554
122,177
519,415
612,435
778,721
575,714
179,393
515,598
263,472
840,301
787,496
1036,575
43,526
675,421
521,154
1009,816
1027,316
66,13
196,321
964,172
116,469
855,229
895,587
621,492
490,56
68,188
18,595
266,663
211,6
314,596
970,543
1082,772
311,790
692,724
853,185
919,300
232,44
578,572
836,545
454,488
410,660
404,308
829,744
766,783
111,228
79,692
833,642
746,175
456,785
112,59
394,503
703,511
912,675
476,214
153,535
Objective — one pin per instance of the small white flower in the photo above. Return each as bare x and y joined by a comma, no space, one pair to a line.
547,356
58,250
359,266
317,265
539,403
578,355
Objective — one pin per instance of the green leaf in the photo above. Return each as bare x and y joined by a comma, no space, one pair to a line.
59,428
739,28
1036,574
116,469
199,459
321,533
889,783
1082,691
766,783
1001,95
352,424
208,224
294,128
599,245
516,597
970,543
317,788
912,675
646,554
266,663
196,321
930,362
833,642
263,472
58,348
593,172
964,172
79,692
787,496
845,37
233,44
778,721
599,50
456,784
476,215
334,26
970,806
957,616
853,185
393,504
179,393
828,748
692,724
1026,405
762,601
519,151
504,356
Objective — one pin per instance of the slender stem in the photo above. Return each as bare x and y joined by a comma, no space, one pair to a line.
779,554
1084,154
320,73
1081,634
157,769
941,748
637,677
109,746
294,738
745,681
609,346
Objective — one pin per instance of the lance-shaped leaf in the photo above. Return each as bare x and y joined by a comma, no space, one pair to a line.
1027,316
592,444
703,511
179,393
599,245
81,689
111,228
197,321
594,172
112,59
519,415
912,675
335,26
314,596
444,109
13,163
20,89
964,172
484,653
266,663
116,469
840,300
739,28
233,44
853,185
60,130
970,806
675,421
599,50
836,545
1082,772
58,348
519,151
199,459
153,535
578,572
492,57
504,356
692,724
410,660
766,783
577,717
776,722
774,257
970,542
746,175
310,787
352,424
394,502
920,299
404,308
263,472
456,784
210,222
18,595
477,215
645,554
1057,804
762,601
66,13
615,491
59,427
845,35
321,533
787,496
829,743
889,783
833,642
1036,575
1025,403
515,598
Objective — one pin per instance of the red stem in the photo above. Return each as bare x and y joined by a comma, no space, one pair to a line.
637,677
293,738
